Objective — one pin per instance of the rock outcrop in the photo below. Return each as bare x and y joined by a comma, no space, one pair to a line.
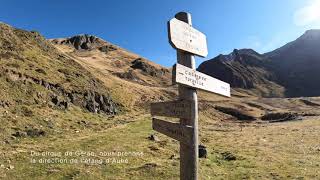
147,68
85,42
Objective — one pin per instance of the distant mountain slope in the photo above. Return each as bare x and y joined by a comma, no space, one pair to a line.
297,65
116,60
34,72
132,79
291,71
245,69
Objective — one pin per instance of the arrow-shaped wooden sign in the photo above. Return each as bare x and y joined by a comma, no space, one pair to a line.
192,78
176,131
175,109
184,37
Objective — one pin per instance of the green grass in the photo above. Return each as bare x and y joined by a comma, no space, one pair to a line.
263,152
123,138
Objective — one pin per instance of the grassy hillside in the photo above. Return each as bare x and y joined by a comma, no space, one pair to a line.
133,80
36,77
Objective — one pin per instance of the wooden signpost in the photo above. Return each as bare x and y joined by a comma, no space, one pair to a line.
184,37
174,130
175,109
188,42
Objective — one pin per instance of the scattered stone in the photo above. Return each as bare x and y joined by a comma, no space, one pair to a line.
62,104
82,122
4,104
153,148
107,48
153,137
40,71
97,103
202,151
104,49
19,134
149,166
111,117
228,156
35,132
129,75
147,68
172,156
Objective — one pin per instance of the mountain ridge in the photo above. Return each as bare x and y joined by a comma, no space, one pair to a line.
283,72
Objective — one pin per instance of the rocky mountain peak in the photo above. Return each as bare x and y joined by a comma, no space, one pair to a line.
81,41
238,54
305,46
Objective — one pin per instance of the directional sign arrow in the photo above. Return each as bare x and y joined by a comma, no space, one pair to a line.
176,109
184,37
192,78
176,131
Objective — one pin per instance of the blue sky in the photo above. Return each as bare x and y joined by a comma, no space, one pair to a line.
140,25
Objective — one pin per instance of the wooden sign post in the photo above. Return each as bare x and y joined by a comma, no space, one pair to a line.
175,109
174,130
188,42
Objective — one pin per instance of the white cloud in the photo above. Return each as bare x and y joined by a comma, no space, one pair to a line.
256,43
309,14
